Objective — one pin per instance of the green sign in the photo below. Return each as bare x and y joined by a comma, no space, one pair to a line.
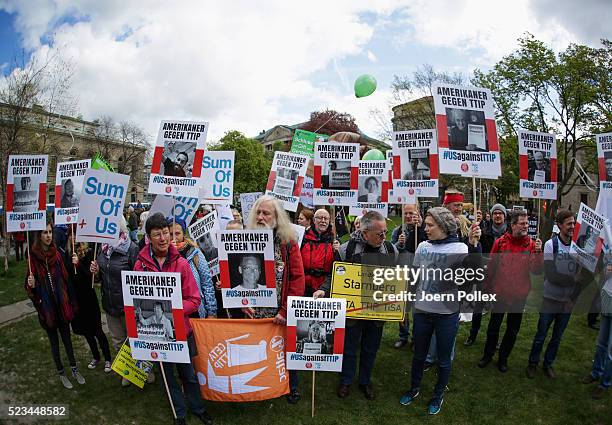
99,163
303,142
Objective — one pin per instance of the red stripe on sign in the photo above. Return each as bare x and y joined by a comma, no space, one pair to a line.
339,341
179,324
602,168
397,168
298,186
9,197
42,197
598,247
225,274
271,274
576,231
492,136
442,129
197,163
290,339
434,166
271,178
58,196
354,178
316,181
157,157
553,170
130,321
384,195
523,167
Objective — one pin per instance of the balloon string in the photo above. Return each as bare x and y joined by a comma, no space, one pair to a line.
323,125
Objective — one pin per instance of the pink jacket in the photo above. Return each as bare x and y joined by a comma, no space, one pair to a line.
174,264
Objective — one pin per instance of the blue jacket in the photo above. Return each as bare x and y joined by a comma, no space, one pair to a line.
203,278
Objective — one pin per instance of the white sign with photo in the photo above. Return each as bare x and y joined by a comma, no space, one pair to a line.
537,164
415,164
336,173
372,192
604,161
26,192
204,233
286,178
588,237
68,187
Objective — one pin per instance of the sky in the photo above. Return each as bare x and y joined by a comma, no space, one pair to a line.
247,66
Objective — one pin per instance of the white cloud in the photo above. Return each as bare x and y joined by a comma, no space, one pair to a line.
372,57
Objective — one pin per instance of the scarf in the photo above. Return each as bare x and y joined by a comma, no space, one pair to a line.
448,239
498,231
122,246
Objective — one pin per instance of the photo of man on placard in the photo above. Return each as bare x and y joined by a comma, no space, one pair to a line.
70,198
608,165
285,181
336,175
154,319
415,164
539,166
466,130
247,271
177,159
314,337
25,199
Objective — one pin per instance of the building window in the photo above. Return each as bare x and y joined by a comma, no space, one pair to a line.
584,198
133,197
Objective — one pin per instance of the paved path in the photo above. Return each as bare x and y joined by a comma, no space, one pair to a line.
15,312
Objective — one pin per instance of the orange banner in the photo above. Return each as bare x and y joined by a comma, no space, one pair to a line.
240,360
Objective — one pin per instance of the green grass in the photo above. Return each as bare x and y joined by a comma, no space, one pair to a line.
11,283
486,396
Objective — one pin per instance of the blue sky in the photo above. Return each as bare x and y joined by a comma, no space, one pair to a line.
248,66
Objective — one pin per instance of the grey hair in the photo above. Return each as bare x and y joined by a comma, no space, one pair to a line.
123,227
368,219
516,214
283,229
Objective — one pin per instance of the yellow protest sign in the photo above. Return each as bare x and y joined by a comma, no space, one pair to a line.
135,371
365,299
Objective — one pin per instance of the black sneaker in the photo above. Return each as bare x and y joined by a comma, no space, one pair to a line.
502,366
469,341
180,421
205,418
427,366
482,363
294,397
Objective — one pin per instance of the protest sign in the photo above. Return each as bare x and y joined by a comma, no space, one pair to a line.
604,161
246,203
68,187
532,230
303,142
135,371
373,191
184,207
224,215
390,195
26,192
415,164
101,207
246,264
519,208
299,232
364,299
286,178
336,173
588,237
204,233
154,319
315,333
537,165
177,161
240,359
466,130
218,178
306,194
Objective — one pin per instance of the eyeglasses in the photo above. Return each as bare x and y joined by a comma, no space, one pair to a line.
321,218
379,234
164,233
250,268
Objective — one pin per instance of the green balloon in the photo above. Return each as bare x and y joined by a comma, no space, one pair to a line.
365,85
373,155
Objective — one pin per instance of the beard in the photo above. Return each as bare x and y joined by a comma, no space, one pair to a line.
270,226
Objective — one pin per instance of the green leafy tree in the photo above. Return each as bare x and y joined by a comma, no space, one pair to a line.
251,167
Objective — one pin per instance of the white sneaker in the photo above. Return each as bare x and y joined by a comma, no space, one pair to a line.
93,363
79,378
108,367
151,377
66,382
125,382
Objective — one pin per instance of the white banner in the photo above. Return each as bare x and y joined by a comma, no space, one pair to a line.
218,178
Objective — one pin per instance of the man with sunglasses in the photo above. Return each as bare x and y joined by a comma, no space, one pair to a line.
366,246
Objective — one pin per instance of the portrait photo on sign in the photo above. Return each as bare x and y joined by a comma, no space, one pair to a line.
177,159
466,130
207,246
285,181
538,166
25,196
70,195
315,337
587,238
336,175
415,164
369,188
154,319
247,271
608,165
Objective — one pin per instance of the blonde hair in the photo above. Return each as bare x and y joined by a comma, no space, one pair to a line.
345,137
283,229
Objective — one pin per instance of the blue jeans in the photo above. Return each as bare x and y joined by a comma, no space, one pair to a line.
363,335
602,365
134,235
445,327
294,380
404,329
432,354
190,386
546,319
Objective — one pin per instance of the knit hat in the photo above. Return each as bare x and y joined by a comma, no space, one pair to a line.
445,219
178,221
501,208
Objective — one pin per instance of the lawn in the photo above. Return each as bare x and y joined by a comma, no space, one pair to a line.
475,396
11,283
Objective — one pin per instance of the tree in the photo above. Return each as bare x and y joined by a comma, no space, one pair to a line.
33,97
567,93
330,122
251,167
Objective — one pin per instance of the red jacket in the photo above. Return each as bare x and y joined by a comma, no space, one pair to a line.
512,261
317,257
174,264
293,275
